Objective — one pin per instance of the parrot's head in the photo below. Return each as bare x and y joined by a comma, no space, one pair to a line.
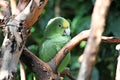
57,26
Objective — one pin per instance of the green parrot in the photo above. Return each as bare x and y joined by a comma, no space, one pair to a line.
56,35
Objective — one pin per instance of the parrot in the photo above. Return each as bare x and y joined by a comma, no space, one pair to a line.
56,35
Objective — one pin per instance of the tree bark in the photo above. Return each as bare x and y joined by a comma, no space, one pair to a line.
16,30
97,27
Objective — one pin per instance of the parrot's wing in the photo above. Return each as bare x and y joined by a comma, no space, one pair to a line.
47,51
59,43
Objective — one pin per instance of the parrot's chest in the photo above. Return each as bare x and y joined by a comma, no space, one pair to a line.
57,42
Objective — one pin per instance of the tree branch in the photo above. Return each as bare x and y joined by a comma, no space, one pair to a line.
40,68
5,8
31,13
97,27
16,33
57,8
5,13
21,5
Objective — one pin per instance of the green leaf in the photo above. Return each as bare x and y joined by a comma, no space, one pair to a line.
33,48
32,29
83,44
80,23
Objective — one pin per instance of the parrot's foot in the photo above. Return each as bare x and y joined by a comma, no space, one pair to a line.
66,70
67,73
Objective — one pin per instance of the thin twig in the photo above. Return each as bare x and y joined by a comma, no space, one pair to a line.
13,6
118,64
57,8
22,71
97,27
1,16
118,68
111,39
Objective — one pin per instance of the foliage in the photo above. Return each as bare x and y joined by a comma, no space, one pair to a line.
78,12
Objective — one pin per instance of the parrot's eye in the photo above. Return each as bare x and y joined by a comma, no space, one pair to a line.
60,26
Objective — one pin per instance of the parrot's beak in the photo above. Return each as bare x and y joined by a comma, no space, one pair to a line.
67,31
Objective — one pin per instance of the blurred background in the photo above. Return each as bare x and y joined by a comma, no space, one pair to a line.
78,13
